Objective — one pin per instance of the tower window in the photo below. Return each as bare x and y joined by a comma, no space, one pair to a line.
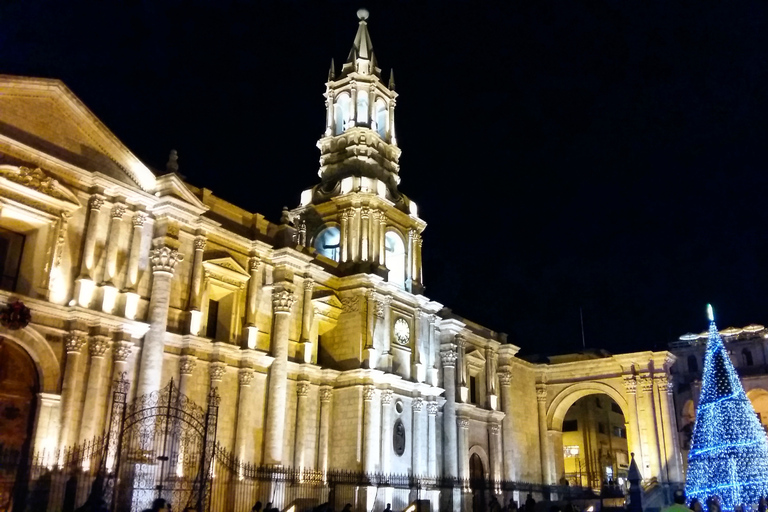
394,258
362,107
381,118
213,317
341,113
472,390
327,242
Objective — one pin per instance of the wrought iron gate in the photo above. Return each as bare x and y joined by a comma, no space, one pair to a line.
161,446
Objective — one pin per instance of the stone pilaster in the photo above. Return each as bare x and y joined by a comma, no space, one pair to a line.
196,287
113,244
544,442
365,215
463,449
496,452
307,314
282,302
252,306
187,365
302,424
344,235
491,362
70,409
673,459
326,394
650,433
244,439
630,385
382,237
163,260
508,433
432,440
132,276
450,460
84,286
370,430
386,430
418,446
461,368
97,348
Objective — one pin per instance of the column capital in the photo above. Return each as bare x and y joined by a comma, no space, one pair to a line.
245,376
449,357
200,243
97,346
282,300
460,341
432,408
121,350
417,404
254,262
309,284
646,383
541,393
139,218
494,428
630,384
164,259
216,371
368,393
665,384
74,342
302,388
462,423
364,213
386,397
187,365
118,210
505,376
96,202
326,394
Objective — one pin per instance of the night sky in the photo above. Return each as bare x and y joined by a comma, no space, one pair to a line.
603,155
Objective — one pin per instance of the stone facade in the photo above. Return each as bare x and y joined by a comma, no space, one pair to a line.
314,329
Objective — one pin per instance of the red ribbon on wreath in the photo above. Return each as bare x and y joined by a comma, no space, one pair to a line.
15,316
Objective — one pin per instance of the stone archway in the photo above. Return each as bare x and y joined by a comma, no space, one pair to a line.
478,477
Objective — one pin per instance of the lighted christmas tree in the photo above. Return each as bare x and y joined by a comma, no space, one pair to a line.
729,451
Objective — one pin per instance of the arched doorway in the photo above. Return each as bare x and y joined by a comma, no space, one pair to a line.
19,386
594,443
477,482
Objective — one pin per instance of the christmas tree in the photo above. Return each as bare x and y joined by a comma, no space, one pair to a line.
729,451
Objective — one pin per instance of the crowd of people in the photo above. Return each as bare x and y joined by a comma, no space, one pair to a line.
713,504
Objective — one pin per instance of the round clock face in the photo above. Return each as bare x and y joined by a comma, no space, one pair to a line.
402,331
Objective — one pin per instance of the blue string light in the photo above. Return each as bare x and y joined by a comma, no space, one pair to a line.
729,450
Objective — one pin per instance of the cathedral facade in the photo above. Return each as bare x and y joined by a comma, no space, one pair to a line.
314,331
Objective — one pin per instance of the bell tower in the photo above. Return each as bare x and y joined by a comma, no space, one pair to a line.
356,216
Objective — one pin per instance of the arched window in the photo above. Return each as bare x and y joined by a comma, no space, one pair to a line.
341,111
394,258
362,107
327,243
746,357
381,118
693,364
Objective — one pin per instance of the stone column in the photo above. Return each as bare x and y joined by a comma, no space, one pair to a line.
164,260
344,236
89,246
244,440
85,284
508,432
669,425
187,365
450,466
302,422
364,242
432,438
630,384
463,449
392,138
97,347
252,306
386,430
544,443
382,238
370,431
132,277
409,257
653,458
374,235
70,409
47,427
418,446
354,235
461,368
326,394
113,244
121,351
196,287
496,453
307,311
282,301
491,361
216,371
419,268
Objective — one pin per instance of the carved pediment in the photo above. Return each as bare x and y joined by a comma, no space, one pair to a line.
226,261
225,269
476,355
39,181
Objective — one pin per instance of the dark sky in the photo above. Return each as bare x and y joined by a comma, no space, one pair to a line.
608,155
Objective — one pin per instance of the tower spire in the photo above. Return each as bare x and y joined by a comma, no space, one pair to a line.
332,71
361,58
391,79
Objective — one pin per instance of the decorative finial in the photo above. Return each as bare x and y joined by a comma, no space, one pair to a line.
710,313
332,71
391,79
362,14
173,162
285,218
